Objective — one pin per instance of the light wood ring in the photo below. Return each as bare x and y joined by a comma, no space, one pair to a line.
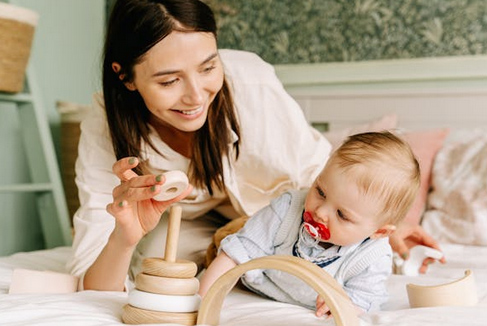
335,297
167,285
178,269
461,292
133,315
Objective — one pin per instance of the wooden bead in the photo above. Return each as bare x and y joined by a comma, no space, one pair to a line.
162,302
166,285
133,315
178,269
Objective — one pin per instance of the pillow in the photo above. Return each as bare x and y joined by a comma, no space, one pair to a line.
457,205
425,145
336,137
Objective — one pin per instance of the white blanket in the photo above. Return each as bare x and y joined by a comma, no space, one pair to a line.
241,307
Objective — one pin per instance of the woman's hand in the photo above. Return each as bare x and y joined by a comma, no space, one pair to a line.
408,235
133,208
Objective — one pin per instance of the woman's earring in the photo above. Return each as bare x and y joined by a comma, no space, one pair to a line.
117,68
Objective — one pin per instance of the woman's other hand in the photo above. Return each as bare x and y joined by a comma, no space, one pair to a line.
408,235
133,208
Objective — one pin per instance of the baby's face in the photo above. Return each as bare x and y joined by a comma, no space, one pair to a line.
336,202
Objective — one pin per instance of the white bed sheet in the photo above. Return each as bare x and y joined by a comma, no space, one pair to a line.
241,307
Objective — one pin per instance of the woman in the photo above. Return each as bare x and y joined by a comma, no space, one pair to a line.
171,101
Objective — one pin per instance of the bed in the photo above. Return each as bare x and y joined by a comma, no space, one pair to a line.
419,98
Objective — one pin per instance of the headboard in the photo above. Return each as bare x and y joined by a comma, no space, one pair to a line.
424,93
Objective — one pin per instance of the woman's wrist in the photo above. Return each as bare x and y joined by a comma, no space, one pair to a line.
123,240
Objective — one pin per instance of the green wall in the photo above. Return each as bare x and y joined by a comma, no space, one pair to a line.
304,31
65,59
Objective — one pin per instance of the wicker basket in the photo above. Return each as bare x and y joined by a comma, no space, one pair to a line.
71,116
17,26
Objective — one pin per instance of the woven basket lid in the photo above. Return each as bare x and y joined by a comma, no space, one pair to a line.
23,15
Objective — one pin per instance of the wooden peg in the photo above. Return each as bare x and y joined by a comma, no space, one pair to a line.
174,224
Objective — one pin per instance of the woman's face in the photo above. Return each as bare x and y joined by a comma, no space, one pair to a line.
178,79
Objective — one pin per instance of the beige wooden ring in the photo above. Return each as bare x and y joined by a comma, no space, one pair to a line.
461,292
342,309
179,269
134,315
162,302
176,182
166,285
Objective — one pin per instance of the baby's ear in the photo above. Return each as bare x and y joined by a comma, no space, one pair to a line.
383,231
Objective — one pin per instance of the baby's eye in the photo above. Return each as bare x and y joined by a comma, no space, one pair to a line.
341,215
320,192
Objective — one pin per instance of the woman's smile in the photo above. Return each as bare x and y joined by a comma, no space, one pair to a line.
191,112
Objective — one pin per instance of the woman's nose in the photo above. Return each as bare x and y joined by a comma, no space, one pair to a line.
193,93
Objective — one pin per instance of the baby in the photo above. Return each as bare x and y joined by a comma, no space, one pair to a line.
341,224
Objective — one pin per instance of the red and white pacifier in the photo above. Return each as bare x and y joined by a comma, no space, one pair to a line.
315,229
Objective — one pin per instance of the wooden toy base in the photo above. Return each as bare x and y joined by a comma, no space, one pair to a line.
133,315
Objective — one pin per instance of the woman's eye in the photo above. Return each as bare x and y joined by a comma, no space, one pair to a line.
168,83
209,68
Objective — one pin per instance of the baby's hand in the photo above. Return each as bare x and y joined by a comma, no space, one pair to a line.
321,308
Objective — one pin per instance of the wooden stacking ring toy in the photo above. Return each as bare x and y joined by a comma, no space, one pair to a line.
166,290
167,285
461,292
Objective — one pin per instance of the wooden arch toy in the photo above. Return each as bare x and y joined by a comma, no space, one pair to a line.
461,292
335,297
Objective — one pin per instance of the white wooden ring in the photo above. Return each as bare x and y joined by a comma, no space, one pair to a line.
461,292
166,285
176,182
162,302
179,269
133,315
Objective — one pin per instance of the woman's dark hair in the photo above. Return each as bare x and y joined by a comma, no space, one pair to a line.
135,26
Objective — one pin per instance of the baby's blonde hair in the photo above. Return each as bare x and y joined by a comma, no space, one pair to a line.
384,167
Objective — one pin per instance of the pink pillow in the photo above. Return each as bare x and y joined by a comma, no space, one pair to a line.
425,144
